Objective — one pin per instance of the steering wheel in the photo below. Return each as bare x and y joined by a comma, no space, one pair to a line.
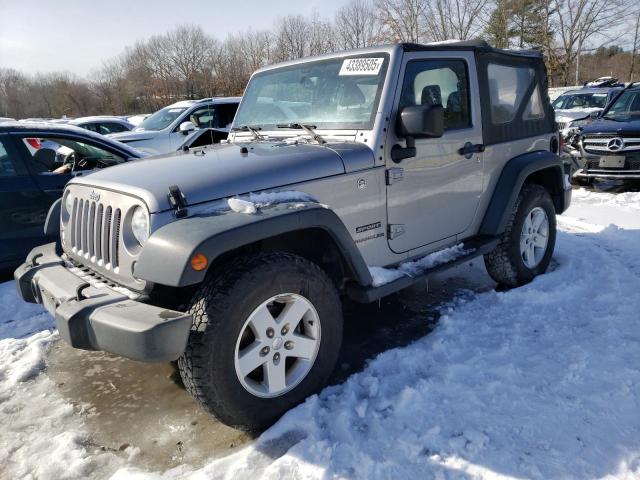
70,158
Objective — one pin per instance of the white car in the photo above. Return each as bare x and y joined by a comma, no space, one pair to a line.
573,108
167,129
103,124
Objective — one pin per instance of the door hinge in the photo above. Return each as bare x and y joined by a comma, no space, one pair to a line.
394,230
394,175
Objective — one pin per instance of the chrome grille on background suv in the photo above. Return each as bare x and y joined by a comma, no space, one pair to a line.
598,144
94,234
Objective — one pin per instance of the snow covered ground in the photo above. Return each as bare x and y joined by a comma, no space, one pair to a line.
537,382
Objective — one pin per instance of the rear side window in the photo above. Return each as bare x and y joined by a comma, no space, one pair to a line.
7,169
508,86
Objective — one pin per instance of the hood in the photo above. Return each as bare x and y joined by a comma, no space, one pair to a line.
619,127
223,170
566,115
127,137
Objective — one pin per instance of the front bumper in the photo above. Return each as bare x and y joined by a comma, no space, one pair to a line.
99,318
610,174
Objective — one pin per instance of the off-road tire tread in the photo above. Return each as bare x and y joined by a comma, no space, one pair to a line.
216,291
500,262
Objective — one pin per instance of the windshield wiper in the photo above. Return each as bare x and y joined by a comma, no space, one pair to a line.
307,128
250,129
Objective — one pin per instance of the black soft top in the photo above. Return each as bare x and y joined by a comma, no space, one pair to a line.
469,45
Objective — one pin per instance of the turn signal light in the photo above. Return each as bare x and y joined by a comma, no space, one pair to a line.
199,262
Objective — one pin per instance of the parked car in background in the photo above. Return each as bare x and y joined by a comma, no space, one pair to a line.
610,146
36,162
103,124
573,108
136,119
165,130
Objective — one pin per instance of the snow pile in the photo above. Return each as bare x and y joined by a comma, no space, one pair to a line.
626,200
41,434
255,201
383,275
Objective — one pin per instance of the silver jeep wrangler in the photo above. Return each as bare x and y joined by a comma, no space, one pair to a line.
233,258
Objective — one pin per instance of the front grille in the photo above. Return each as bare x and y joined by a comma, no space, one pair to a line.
95,235
599,144
95,232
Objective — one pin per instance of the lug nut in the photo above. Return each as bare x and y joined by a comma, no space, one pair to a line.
270,332
285,329
264,351
288,344
276,357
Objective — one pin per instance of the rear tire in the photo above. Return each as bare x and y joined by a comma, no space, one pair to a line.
266,334
527,244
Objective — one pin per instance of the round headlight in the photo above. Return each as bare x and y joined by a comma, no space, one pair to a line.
68,204
140,225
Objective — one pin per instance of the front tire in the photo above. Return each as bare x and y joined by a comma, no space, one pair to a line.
266,334
527,244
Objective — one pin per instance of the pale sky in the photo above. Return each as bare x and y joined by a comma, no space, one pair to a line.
76,36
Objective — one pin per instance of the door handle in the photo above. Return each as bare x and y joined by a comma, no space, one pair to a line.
468,149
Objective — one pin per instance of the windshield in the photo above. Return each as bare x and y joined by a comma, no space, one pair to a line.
580,100
626,106
161,119
329,94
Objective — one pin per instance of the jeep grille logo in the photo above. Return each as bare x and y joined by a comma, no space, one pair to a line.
615,144
95,196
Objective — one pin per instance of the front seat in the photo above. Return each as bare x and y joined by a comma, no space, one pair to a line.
45,159
351,96
431,95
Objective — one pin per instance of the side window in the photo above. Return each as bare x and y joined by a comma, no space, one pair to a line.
224,114
508,86
203,117
7,168
439,82
51,155
105,128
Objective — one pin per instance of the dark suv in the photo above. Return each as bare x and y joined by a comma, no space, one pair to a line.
610,146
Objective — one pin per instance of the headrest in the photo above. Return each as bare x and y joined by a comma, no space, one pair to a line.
431,95
351,96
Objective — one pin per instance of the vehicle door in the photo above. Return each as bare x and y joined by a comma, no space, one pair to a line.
23,206
64,157
434,195
201,117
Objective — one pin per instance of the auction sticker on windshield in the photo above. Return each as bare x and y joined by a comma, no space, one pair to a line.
361,66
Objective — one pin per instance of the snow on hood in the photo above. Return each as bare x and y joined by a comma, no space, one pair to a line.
566,115
220,171
133,135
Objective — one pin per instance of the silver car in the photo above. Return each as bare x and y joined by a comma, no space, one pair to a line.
167,129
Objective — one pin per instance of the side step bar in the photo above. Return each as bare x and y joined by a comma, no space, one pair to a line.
365,294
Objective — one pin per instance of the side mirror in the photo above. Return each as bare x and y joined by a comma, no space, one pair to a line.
186,127
421,121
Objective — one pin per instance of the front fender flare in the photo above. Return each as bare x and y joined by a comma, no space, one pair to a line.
166,256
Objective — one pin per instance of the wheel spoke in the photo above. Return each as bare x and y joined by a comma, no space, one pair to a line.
532,254
538,218
275,376
527,223
293,313
261,320
303,347
249,358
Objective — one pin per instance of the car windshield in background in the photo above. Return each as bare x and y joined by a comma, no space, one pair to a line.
329,94
161,119
626,106
581,100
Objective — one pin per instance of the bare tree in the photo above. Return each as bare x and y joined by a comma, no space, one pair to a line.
290,38
579,21
402,20
357,25
454,19
634,46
